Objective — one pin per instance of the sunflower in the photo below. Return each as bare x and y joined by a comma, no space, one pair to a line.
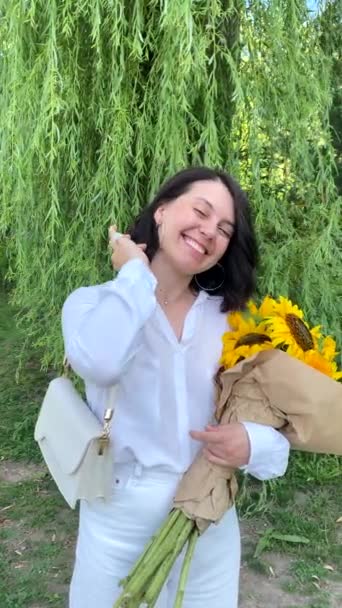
267,307
229,358
246,338
319,362
237,321
288,330
253,309
328,349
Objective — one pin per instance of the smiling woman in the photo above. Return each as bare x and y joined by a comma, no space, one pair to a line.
226,226
155,331
201,218
190,228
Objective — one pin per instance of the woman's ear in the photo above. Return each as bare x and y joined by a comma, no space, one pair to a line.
158,215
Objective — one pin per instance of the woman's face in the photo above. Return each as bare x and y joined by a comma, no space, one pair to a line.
195,229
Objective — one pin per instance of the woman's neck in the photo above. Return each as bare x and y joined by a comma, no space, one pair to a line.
171,284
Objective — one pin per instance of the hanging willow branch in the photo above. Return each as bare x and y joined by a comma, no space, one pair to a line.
101,100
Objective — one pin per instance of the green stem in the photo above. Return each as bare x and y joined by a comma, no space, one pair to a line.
185,568
168,534
146,567
150,571
140,578
152,592
155,541
161,575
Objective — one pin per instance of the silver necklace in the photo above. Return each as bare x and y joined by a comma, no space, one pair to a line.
165,300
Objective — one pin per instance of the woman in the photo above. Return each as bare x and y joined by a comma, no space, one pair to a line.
155,331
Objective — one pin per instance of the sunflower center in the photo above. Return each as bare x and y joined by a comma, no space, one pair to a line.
252,338
300,332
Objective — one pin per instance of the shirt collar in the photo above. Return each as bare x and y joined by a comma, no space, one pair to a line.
202,296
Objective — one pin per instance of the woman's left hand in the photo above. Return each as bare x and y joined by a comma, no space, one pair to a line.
226,444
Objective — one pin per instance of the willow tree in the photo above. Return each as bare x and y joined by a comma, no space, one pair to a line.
102,99
329,24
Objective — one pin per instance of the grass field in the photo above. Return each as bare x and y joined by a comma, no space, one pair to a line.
291,528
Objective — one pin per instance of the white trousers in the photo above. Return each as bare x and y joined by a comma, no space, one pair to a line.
113,534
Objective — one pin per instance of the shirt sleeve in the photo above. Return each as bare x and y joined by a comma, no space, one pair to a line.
269,451
102,324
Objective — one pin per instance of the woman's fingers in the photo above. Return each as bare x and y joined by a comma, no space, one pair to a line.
227,442
214,459
124,249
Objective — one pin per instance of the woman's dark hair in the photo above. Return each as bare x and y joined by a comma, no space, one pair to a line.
240,259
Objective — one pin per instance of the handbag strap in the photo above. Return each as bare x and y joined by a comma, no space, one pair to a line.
107,419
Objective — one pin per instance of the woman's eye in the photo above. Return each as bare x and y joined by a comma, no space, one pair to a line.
225,233
200,212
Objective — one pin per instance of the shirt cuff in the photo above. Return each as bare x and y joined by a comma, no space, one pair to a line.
269,451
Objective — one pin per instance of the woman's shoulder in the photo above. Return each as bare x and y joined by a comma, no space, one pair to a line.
214,304
134,272
87,293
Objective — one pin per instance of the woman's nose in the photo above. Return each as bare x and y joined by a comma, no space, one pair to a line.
208,229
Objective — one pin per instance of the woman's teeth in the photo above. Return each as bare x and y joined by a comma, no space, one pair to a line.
194,244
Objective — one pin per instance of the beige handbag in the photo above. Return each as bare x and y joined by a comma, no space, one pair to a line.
74,444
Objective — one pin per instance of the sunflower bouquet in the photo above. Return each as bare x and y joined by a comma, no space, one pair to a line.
275,370
278,324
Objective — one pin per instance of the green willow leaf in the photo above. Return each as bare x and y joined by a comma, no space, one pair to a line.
101,100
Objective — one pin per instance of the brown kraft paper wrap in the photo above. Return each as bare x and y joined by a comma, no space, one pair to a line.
269,388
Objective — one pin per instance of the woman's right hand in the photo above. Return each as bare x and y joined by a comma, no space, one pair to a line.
124,249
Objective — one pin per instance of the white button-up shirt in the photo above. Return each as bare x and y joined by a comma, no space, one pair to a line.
116,333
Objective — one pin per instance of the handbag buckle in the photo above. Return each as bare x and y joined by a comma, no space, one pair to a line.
104,438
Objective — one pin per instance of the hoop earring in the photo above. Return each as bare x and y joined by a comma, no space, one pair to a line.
208,288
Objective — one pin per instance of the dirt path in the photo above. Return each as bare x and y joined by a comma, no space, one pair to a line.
267,591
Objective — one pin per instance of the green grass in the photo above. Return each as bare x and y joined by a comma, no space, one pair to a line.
37,537
22,386
37,529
